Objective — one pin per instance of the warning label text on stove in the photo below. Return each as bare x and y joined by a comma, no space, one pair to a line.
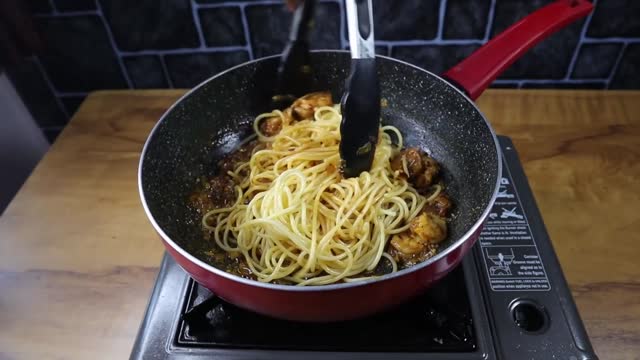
509,250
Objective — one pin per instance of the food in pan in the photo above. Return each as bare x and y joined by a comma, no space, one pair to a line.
279,210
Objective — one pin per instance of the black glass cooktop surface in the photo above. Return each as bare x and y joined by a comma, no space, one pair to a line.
440,320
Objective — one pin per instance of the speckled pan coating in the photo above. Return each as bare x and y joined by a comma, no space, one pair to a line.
213,118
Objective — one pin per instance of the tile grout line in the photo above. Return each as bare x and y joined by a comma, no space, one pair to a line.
165,71
616,65
245,29
52,88
239,3
551,81
504,82
519,83
245,3
441,13
610,40
576,51
196,22
490,19
183,51
429,42
580,81
114,47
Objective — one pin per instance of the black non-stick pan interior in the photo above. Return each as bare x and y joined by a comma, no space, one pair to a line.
212,119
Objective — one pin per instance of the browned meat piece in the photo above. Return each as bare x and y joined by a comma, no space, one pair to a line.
430,169
271,126
217,192
412,160
439,206
422,253
429,228
243,154
396,163
420,241
304,107
422,169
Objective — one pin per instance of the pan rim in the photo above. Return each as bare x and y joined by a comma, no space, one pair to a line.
317,288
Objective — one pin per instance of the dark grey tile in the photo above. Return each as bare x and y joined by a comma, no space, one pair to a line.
595,60
189,70
466,19
39,6
75,5
326,32
627,75
36,94
78,55
222,26
382,50
72,103
615,18
145,72
509,12
435,58
269,28
405,19
151,24
52,133
549,59
564,85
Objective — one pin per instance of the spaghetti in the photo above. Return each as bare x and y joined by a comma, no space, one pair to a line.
296,219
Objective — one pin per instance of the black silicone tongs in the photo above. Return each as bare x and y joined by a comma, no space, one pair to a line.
361,100
295,76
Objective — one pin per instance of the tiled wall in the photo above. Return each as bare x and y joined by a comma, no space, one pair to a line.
116,44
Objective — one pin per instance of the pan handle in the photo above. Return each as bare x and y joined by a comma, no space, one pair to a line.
477,72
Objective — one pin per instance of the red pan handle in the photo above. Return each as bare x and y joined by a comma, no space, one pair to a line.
477,72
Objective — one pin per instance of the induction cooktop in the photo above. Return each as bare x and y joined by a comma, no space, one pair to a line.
507,300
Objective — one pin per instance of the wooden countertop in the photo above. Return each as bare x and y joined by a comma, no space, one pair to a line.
78,257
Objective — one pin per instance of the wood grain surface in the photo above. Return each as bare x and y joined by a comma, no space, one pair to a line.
78,257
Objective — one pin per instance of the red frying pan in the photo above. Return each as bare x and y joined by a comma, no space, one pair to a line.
435,113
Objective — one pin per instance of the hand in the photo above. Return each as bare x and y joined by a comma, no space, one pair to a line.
292,4
18,37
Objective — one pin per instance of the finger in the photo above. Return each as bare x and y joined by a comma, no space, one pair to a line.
292,4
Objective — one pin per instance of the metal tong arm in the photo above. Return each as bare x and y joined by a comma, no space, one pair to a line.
361,101
360,27
302,22
294,75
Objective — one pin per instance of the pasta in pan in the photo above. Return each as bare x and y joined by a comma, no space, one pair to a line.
289,216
